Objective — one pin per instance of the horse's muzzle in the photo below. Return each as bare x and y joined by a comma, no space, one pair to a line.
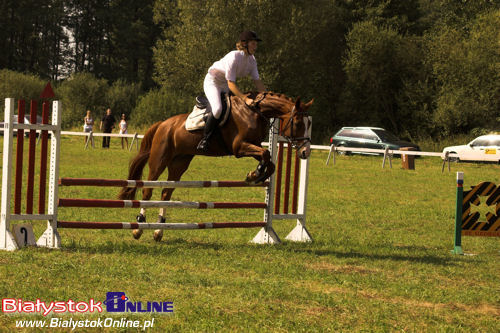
305,151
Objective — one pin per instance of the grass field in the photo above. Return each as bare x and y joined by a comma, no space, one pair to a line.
380,260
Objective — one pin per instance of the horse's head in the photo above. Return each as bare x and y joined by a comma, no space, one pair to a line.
296,128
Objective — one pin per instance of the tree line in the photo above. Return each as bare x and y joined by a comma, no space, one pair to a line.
419,68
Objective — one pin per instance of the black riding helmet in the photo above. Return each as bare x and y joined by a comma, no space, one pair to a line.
249,35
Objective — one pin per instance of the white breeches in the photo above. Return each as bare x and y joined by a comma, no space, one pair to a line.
213,91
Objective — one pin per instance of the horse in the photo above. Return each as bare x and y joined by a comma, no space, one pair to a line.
167,144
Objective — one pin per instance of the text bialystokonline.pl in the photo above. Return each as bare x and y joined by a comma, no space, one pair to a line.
86,323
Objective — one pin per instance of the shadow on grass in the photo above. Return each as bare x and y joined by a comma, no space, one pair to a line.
176,245
147,247
424,259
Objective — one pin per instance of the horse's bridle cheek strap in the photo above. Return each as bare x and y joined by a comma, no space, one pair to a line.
288,123
291,139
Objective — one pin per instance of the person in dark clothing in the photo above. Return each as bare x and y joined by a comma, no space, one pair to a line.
107,125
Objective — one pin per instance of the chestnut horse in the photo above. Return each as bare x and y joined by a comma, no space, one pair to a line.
167,144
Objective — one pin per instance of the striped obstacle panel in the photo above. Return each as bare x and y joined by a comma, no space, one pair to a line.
18,127
105,203
467,218
170,226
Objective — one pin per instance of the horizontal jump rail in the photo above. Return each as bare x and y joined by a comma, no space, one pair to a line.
171,226
154,184
104,203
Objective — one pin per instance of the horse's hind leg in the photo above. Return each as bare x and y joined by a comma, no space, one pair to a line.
176,169
157,165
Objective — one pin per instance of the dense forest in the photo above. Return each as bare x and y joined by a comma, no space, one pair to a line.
421,68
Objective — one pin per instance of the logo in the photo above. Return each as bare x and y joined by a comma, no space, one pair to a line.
12,305
117,301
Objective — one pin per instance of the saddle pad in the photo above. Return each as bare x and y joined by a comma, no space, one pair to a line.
196,119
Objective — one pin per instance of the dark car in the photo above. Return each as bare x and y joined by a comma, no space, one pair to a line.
369,137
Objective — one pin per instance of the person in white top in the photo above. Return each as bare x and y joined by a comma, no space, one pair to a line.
88,124
123,129
222,76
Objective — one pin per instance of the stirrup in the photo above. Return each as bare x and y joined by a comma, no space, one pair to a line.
203,145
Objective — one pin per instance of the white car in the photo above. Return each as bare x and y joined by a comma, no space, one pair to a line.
483,148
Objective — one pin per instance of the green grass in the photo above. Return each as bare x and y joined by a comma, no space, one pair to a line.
380,260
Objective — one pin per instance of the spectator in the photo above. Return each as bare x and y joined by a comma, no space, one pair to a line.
123,129
106,126
88,124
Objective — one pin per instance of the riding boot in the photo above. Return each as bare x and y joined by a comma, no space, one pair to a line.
210,126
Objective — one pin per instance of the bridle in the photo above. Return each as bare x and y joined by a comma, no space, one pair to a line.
295,142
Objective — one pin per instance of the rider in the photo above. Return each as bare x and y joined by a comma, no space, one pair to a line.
222,75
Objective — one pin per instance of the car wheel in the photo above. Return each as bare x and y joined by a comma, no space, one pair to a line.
454,159
342,152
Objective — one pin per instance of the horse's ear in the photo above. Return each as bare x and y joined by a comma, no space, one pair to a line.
297,103
308,104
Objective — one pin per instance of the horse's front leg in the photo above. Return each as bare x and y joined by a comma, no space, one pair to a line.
141,218
265,168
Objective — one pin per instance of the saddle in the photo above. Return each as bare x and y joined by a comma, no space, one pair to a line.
197,117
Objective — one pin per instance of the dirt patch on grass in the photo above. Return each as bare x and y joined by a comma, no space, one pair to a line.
482,309
317,311
5,261
341,269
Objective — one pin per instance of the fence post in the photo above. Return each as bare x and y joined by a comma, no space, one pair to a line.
132,143
267,235
458,214
332,149
50,237
300,232
446,159
7,241
386,154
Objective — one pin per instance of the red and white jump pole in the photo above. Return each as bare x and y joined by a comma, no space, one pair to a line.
105,203
154,184
168,226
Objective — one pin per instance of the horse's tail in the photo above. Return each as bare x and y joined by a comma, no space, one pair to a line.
138,162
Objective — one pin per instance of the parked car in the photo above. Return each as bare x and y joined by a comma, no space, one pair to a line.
369,137
26,121
485,148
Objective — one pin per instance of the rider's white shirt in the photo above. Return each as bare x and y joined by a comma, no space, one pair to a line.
232,66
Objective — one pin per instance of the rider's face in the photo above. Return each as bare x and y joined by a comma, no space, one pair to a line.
252,46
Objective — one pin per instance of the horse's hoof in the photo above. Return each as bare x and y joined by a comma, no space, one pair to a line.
158,235
251,177
137,233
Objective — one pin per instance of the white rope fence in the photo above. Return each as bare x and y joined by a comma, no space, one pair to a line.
388,153
90,137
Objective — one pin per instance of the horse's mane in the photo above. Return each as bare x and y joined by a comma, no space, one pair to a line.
255,94
280,96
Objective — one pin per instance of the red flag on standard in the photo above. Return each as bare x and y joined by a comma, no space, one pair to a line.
48,92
